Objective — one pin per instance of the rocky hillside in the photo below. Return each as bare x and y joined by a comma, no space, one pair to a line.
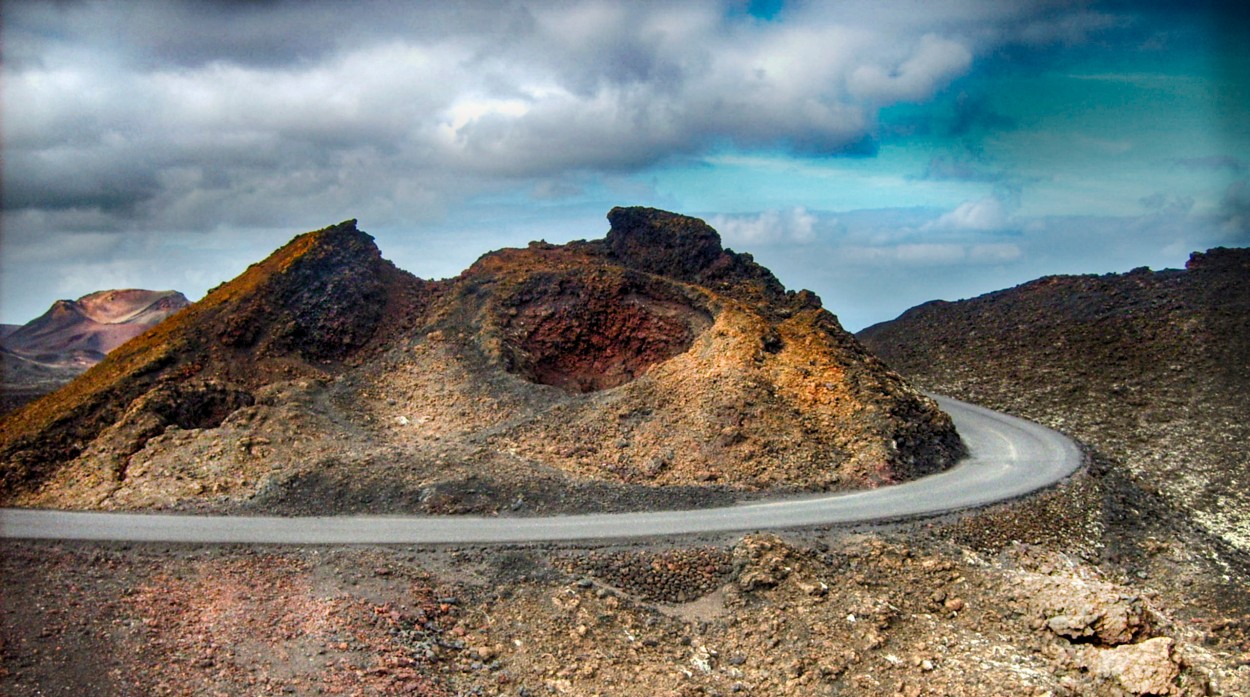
651,367
73,335
1149,368
317,300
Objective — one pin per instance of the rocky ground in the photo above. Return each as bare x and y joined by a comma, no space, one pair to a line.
1091,588
952,606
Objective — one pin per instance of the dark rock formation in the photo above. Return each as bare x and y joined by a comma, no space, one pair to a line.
318,299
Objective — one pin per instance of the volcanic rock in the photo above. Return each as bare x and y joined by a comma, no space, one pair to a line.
650,360
1147,668
1147,367
1089,611
317,299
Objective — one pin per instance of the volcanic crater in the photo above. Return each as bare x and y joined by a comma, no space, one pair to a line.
585,339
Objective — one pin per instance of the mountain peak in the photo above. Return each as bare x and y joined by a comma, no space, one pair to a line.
320,296
131,305
95,323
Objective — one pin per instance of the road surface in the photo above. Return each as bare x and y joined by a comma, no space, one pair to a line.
1009,457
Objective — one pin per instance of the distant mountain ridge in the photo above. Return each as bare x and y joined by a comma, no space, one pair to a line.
93,324
73,335
1150,368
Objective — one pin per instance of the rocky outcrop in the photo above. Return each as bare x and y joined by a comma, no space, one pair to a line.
688,249
1103,629
305,309
323,305
1089,612
703,369
1148,668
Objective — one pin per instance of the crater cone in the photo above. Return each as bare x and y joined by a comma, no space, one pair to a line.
650,368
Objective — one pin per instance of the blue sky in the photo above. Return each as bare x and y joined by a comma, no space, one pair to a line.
879,153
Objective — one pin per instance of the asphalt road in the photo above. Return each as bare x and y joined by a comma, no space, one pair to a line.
1009,457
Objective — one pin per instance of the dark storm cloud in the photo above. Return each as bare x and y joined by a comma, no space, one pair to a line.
160,110
149,119
265,33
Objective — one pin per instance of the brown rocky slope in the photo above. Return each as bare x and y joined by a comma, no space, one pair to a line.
1149,368
585,376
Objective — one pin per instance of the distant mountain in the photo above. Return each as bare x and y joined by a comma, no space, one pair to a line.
1152,369
74,335
600,374
74,330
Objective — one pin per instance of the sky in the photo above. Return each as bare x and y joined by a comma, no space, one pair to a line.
881,153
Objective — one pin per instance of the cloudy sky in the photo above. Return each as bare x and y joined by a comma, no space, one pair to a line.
880,153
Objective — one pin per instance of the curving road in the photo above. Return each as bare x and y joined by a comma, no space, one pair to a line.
1009,457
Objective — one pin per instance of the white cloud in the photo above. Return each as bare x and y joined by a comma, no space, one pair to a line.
134,119
985,214
934,62
910,255
344,112
795,225
294,112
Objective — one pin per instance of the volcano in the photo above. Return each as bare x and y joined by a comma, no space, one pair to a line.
650,367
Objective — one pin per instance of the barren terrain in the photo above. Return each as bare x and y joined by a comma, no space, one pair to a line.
1105,585
1151,369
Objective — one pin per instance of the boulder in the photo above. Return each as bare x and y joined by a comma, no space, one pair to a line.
1148,668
